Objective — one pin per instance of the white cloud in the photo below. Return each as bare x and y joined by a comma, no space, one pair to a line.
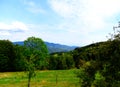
85,17
30,3
15,26
4,33
33,7
76,8
36,10
61,7
81,21
19,25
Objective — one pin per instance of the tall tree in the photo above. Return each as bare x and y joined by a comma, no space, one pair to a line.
37,47
36,55
7,56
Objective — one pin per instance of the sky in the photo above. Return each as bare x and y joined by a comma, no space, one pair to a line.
69,22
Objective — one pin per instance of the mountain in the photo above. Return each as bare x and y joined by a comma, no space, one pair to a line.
53,47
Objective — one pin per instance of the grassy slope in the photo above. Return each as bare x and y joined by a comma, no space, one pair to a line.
53,78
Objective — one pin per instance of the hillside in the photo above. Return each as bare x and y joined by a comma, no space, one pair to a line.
53,47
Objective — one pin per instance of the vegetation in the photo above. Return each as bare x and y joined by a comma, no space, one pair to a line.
98,64
65,78
60,61
35,53
7,56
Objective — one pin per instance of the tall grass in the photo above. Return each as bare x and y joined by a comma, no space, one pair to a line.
52,78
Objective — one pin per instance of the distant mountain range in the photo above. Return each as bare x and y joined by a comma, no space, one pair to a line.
53,47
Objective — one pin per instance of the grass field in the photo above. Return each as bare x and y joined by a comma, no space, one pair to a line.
52,78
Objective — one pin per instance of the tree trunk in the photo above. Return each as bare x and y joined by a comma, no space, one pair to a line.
29,79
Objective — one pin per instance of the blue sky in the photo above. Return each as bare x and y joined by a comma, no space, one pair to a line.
70,22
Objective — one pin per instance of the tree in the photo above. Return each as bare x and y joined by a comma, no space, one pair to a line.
36,55
7,56
20,62
30,67
37,47
61,60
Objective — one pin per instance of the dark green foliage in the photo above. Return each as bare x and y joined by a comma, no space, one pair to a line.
20,62
7,56
4,66
58,61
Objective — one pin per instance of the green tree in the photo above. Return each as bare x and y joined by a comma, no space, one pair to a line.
69,60
53,61
30,67
7,56
61,60
36,56
37,47
20,62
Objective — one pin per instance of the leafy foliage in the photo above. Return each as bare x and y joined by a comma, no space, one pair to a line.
20,60
7,56
61,60
36,53
36,47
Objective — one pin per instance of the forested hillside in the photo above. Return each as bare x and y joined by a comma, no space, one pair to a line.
99,63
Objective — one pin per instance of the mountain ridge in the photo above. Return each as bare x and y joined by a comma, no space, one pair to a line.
53,47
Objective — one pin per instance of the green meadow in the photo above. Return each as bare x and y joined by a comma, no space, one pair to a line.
47,78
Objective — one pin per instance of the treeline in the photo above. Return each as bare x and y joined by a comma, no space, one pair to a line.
15,57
